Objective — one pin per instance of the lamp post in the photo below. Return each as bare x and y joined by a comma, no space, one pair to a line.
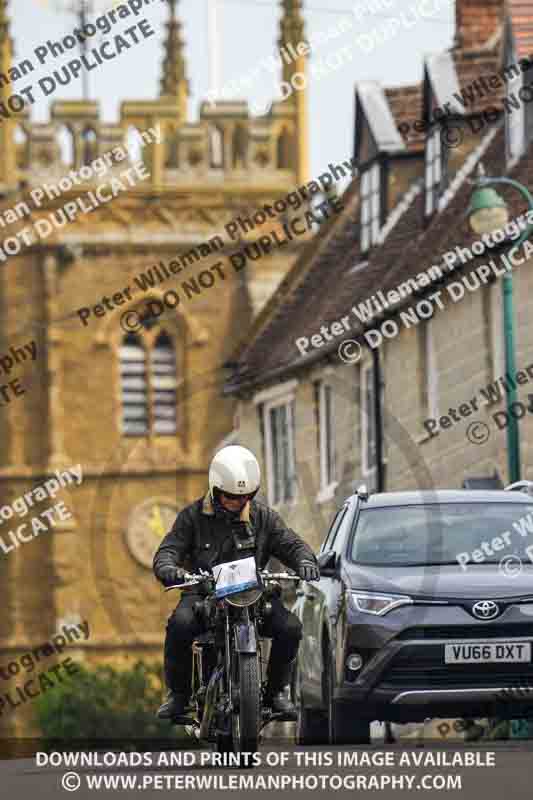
488,212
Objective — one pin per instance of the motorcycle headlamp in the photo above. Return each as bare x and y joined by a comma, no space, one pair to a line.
246,598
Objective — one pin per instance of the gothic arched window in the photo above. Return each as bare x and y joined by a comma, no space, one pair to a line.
239,146
89,146
163,380
172,151
134,387
284,154
216,147
22,144
148,374
134,144
65,139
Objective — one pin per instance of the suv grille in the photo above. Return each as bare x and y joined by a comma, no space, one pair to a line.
424,667
481,631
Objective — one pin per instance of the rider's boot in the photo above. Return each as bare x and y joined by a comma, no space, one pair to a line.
174,706
276,695
178,679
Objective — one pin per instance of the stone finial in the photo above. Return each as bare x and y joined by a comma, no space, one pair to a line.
174,72
4,19
292,22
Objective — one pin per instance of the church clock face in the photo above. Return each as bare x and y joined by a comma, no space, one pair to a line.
147,526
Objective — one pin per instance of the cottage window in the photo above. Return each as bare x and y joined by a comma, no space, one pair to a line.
514,118
433,169
326,437
370,207
279,433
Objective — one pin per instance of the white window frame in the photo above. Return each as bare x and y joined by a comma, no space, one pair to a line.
370,206
433,168
328,483
515,123
367,380
288,400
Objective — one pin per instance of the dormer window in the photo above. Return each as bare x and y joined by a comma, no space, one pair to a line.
433,169
515,117
370,206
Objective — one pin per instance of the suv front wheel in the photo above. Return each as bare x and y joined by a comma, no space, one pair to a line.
311,724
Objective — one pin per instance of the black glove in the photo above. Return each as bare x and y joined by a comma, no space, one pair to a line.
171,576
308,571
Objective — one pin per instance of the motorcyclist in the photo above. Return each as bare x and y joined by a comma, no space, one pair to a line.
224,525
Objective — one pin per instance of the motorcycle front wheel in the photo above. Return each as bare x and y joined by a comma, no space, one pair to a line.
246,717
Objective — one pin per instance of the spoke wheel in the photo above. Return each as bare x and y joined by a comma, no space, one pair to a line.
246,719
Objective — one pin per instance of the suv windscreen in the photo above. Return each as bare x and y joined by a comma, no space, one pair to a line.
442,534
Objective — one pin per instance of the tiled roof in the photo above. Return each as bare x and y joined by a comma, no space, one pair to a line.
406,102
406,106
328,285
318,248
327,291
332,287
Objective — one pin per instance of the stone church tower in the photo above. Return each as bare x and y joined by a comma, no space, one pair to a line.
139,407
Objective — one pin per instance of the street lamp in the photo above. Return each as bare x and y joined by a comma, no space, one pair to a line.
488,212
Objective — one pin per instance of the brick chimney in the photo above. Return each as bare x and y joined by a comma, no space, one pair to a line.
476,22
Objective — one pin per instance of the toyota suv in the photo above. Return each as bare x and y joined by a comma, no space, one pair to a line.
424,609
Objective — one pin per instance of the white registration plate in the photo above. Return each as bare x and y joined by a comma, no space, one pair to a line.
487,653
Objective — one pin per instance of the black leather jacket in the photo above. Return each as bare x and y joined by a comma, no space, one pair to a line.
199,539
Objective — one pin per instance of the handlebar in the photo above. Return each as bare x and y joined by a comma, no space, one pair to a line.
192,579
279,576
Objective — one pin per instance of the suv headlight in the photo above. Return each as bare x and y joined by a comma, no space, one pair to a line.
378,604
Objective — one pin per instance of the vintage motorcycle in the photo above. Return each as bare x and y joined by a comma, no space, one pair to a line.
227,707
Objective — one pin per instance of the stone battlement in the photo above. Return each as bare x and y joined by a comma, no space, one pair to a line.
224,144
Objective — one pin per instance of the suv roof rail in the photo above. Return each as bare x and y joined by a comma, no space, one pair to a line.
520,486
362,492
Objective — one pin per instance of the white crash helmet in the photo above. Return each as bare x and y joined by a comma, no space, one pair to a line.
234,470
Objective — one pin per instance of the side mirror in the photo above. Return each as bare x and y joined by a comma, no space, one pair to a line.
327,563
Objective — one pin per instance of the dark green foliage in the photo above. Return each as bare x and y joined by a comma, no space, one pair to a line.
106,704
